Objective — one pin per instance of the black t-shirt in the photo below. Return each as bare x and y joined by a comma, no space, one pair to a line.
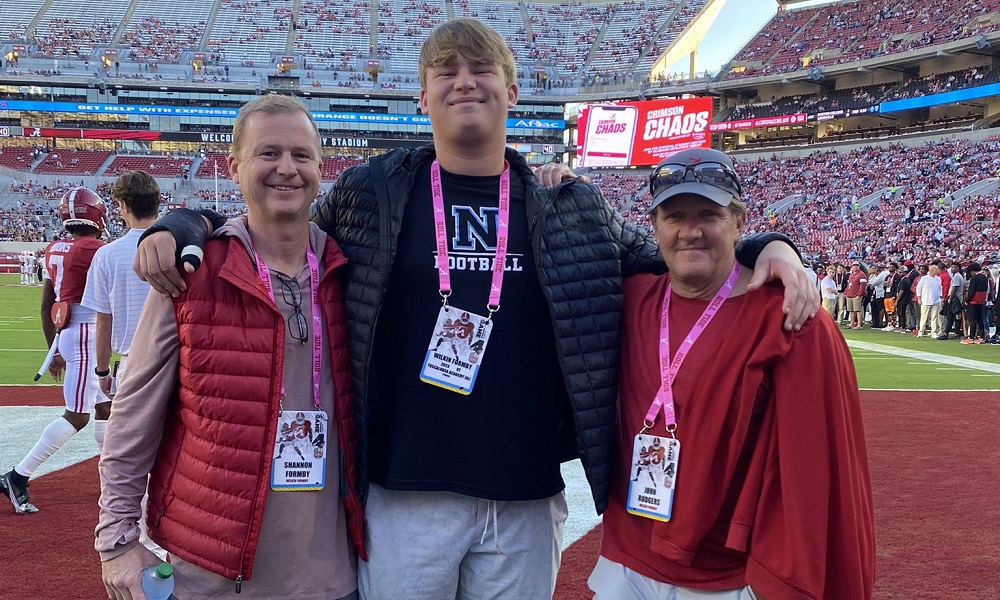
906,285
842,280
500,441
892,284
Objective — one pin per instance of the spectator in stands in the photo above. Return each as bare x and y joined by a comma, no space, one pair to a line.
195,416
427,512
769,503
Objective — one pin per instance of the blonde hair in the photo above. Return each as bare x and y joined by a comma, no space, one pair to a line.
271,104
469,38
737,207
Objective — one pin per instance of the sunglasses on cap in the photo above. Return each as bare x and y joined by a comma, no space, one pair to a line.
711,173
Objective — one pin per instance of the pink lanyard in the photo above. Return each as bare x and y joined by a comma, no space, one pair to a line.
317,319
664,398
440,233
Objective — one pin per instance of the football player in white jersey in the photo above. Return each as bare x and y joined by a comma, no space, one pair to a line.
84,216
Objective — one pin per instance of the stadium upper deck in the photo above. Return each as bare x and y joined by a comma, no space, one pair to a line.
195,68
333,43
847,32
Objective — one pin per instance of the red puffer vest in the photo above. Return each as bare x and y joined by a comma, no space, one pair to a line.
211,477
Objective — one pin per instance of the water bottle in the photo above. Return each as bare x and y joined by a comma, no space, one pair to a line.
158,582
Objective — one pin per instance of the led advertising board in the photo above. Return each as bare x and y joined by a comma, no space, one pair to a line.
641,133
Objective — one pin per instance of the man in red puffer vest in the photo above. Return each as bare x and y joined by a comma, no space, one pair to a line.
255,345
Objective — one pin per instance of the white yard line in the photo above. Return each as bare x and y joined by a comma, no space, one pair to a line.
926,356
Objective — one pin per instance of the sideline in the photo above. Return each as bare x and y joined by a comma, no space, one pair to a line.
928,356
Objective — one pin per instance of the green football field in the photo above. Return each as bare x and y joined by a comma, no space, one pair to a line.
22,344
883,360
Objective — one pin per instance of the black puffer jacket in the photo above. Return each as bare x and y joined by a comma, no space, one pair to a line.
582,249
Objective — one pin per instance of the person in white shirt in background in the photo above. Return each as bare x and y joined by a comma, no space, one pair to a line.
877,278
116,293
829,291
929,292
811,274
113,290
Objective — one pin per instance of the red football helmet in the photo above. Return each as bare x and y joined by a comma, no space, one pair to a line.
81,206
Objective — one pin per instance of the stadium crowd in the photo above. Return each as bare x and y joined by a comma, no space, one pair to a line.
864,96
332,36
846,32
944,299
31,215
881,202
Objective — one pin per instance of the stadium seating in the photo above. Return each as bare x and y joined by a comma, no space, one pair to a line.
865,96
332,34
75,28
917,207
17,158
251,30
206,169
564,34
404,28
921,219
157,166
73,162
679,20
16,18
505,17
849,31
333,166
162,31
625,36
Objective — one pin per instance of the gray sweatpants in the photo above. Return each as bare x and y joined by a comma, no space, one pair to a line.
441,546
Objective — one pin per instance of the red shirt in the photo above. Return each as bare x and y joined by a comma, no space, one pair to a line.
772,487
856,283
67,263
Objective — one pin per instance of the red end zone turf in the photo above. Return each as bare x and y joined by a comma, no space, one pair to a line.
933,456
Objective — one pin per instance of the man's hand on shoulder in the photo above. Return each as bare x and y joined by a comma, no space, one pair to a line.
552,174
779,261
157,258
155,263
